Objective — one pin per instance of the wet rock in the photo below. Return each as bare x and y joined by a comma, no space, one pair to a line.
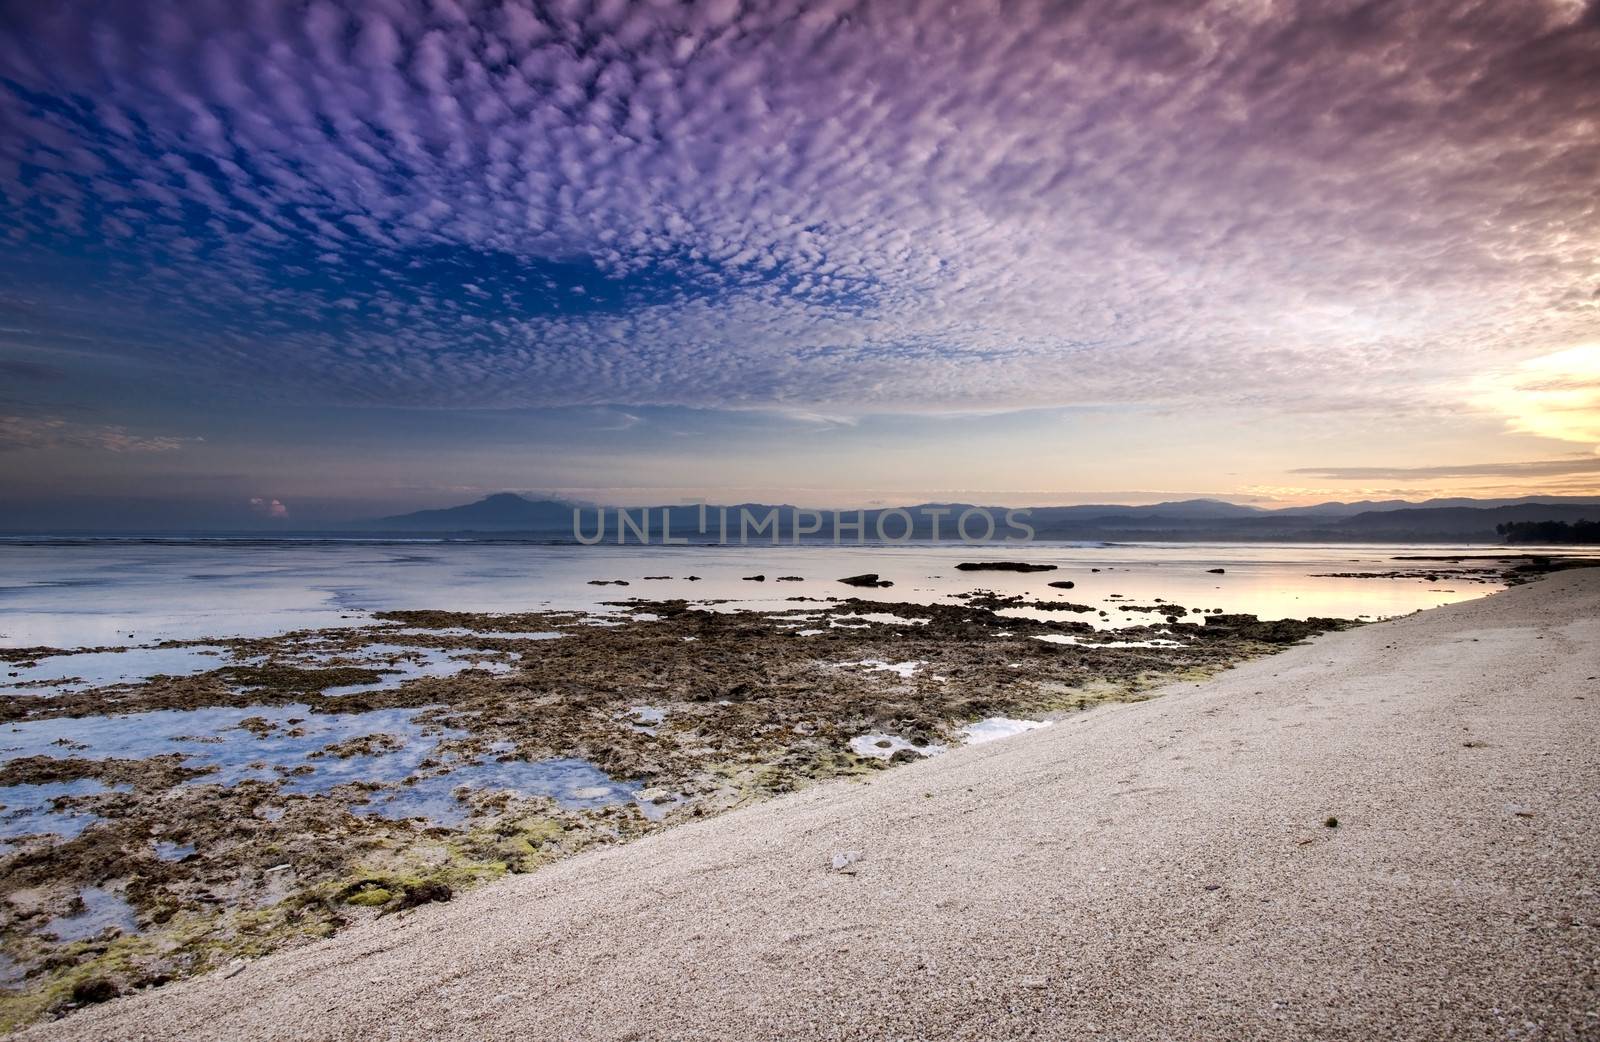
755,578
1063,584
1217,571
790,579
258,726
93,990
1276,631
285,682
431,892
608,582
868,579
365,745
1003,566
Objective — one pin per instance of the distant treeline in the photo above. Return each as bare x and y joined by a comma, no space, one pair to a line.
1550,532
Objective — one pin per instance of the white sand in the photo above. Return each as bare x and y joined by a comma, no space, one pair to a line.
1149,871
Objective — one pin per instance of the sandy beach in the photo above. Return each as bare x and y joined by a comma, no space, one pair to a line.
1165,869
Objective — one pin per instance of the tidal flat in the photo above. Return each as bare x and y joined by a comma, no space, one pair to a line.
242,794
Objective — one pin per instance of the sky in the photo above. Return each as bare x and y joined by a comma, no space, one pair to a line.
271,262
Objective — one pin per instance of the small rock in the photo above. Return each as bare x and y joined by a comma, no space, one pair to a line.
1036,983
845,861
234,968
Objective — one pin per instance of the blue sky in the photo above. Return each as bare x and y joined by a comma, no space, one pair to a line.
359,257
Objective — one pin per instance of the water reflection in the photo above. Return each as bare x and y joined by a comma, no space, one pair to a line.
112,594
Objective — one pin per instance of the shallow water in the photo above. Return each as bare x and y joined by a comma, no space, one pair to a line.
287,740
904,670
58,673
882,746
993,727
400,664
1084,642
28,809
102,910
645,719
117,593
167,850
569,781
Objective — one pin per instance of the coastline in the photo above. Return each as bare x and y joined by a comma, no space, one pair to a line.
333,777
1145,870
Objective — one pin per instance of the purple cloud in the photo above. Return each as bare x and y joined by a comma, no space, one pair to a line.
863,206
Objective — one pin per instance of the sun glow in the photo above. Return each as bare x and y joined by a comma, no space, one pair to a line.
1552,396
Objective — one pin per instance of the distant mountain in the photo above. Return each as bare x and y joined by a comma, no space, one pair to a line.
1470,524
1344,509
502,512
1194,520
1201,508
1369,505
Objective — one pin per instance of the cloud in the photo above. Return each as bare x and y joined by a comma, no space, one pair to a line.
813,206
1530,469
612,420
24,432
1553,396
269,508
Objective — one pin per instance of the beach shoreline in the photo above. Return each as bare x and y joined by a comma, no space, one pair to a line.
1387,832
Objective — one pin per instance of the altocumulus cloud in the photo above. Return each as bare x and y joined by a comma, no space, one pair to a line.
50,432
808,205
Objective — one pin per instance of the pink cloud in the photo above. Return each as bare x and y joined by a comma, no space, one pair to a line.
271,508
